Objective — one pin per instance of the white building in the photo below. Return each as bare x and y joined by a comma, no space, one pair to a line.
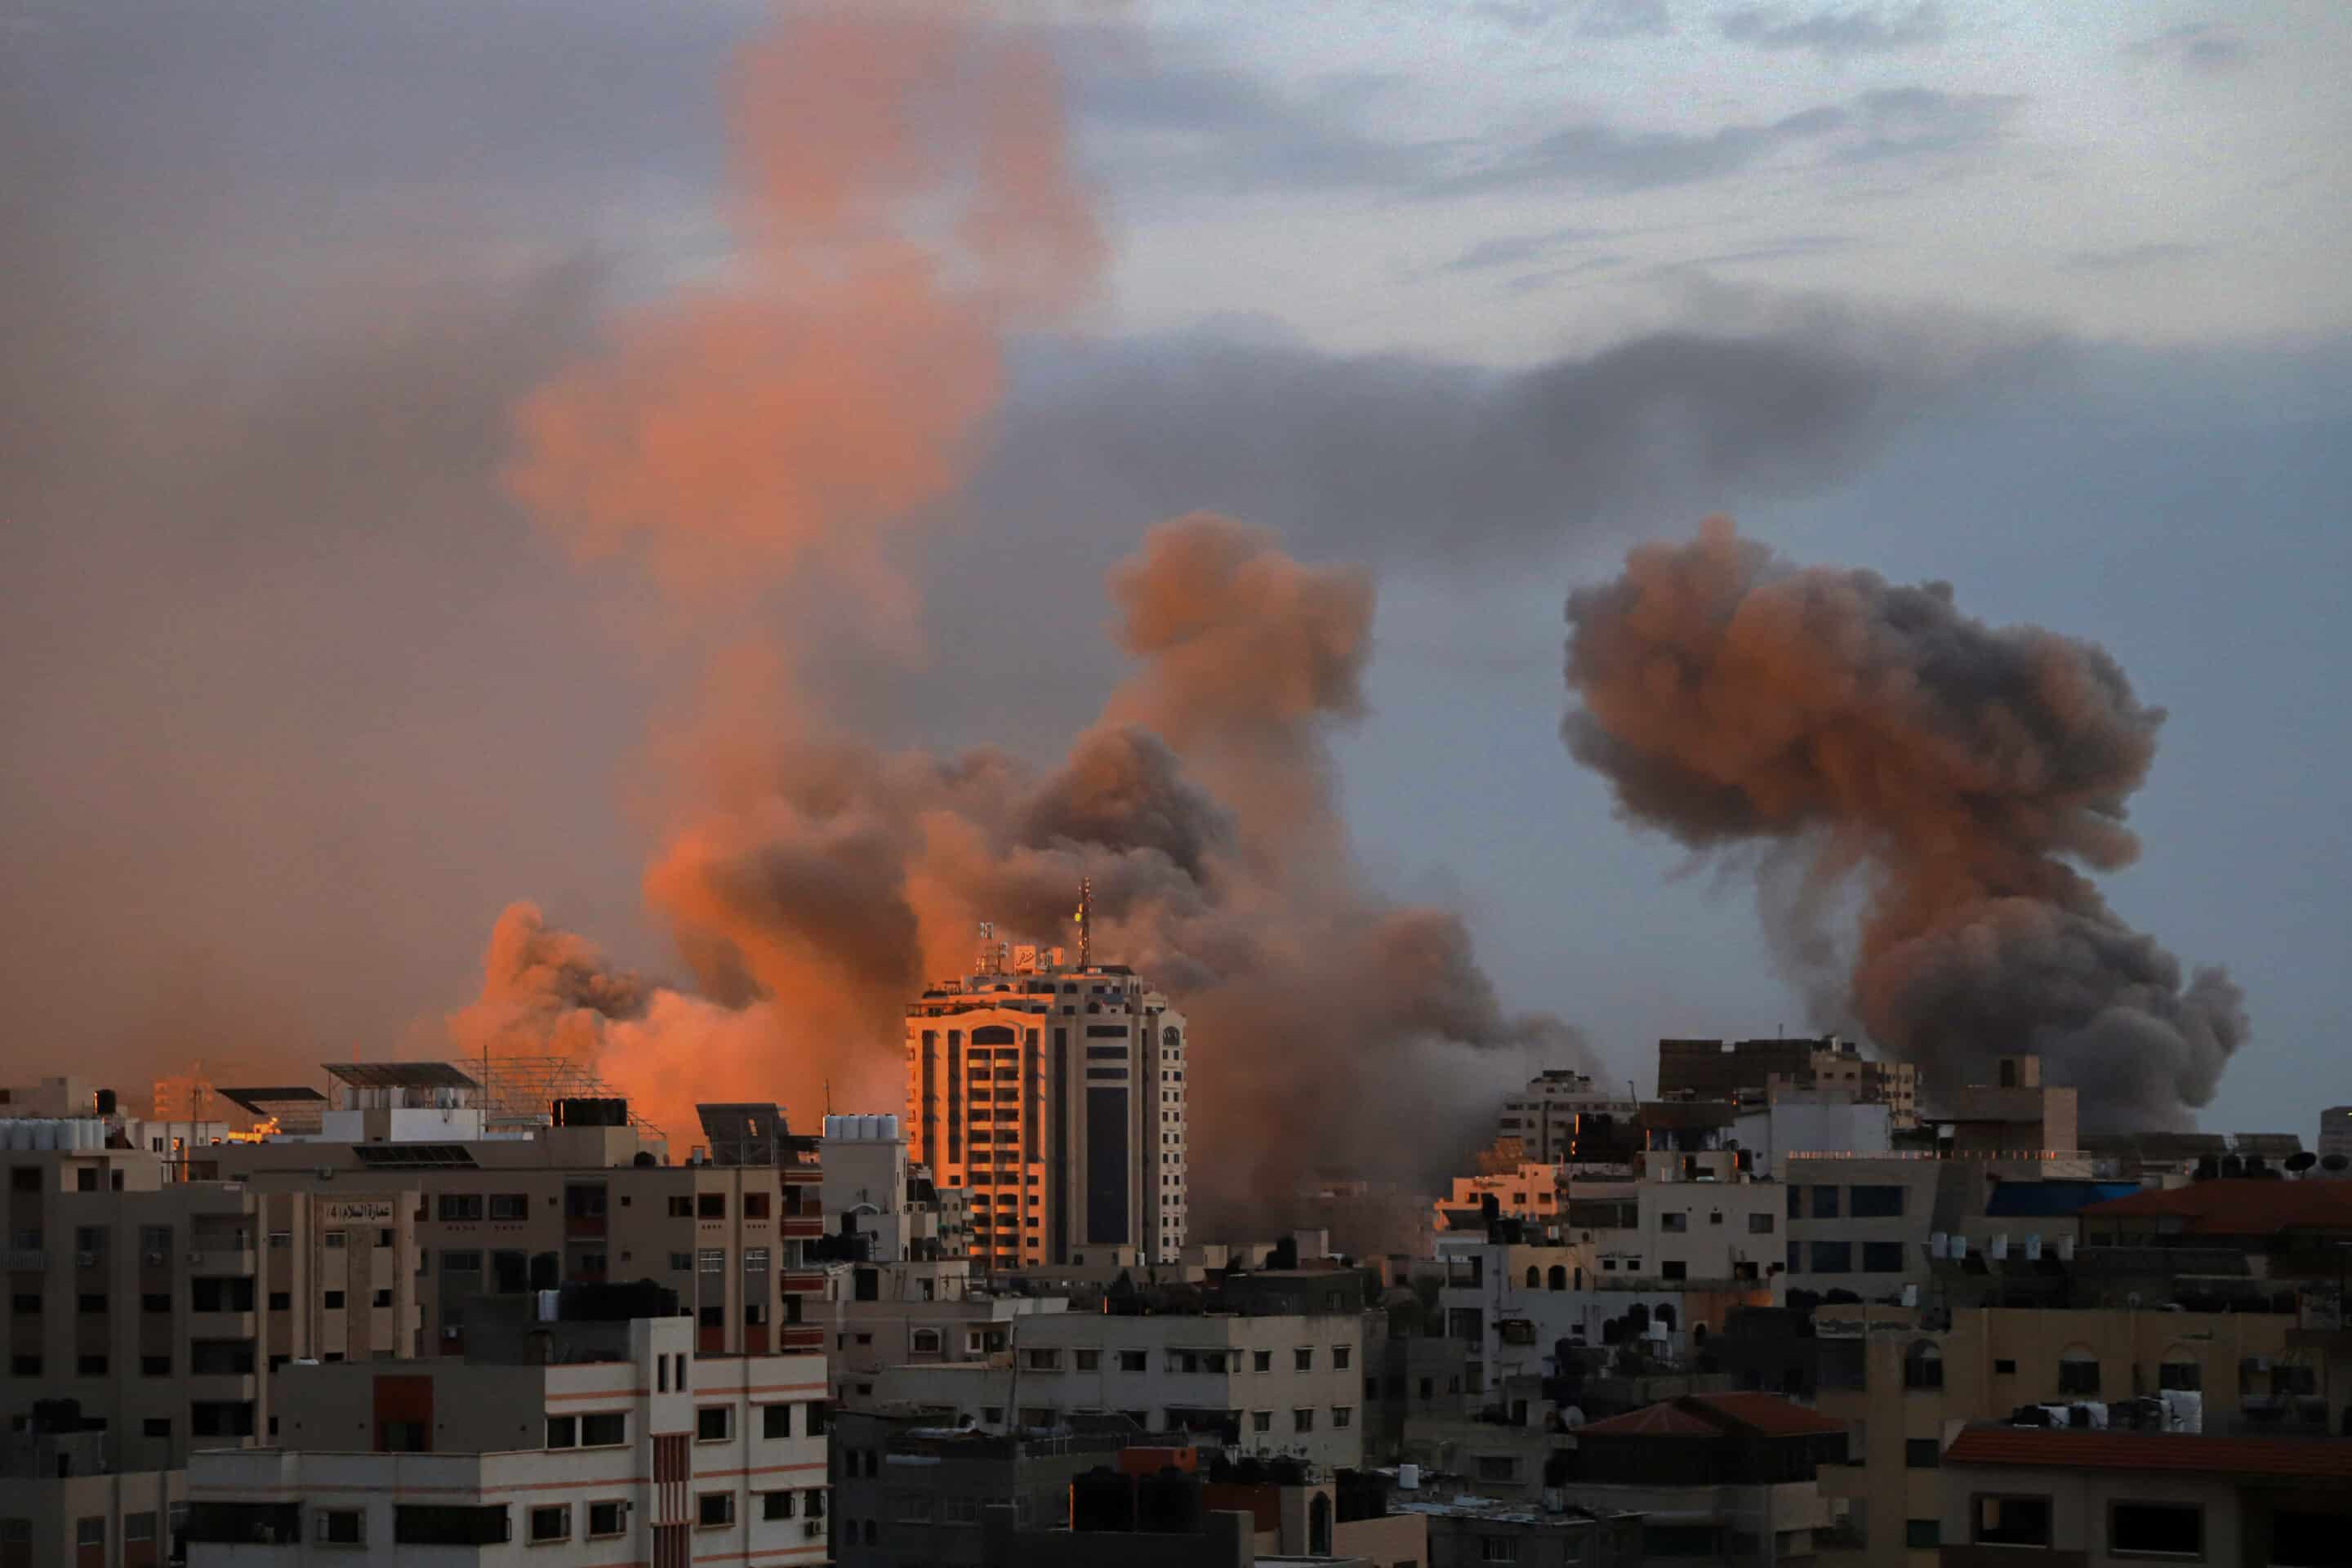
1799,1121
1056,1098
873,1188
1273,1385
625,1449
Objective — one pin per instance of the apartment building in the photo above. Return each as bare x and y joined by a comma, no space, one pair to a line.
911,1485
580,1440
875,1194
2107,1497
1904,1383
1714,1069
919,1314
503,1213
1278,1384
1056,1097
1562,1117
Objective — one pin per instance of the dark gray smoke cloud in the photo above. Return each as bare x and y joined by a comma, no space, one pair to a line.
1962,771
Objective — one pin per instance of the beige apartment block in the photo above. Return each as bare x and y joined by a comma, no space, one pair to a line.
569,1205
1904,1391
589,1443
1277,1384
1055,1098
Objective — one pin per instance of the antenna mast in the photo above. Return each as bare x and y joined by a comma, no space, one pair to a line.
1086,922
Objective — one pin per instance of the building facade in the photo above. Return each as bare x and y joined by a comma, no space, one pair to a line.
1056,1097
1714,1069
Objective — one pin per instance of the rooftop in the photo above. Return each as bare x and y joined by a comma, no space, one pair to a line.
401,1075
2239,1206
1715,1414
2302,1458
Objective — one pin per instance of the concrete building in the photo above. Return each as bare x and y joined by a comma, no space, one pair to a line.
566,1441
2014,1495
911,1485
2335,1132
1275,1385
1798,1122
582,1201
1473,1532
1712,1069
1056,1098
872,1189
2015,1118
1904,1381
914,1314
1562,1117
1728,1478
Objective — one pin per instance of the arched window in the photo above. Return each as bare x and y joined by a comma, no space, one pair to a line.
1666,1316
2078,1369
1559,1277
992,1035
1923,1365
927,1342
1318,1526
1534,1276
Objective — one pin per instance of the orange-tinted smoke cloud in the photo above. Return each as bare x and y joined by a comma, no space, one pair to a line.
905,200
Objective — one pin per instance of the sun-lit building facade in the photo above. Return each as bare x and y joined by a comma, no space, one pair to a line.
1055,1095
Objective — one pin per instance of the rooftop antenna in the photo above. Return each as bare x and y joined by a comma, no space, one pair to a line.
1085,917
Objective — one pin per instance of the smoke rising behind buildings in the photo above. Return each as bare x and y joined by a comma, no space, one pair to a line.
1854,729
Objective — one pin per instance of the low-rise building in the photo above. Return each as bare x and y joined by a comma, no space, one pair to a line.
1473,1532
911,1485
2091,1499
589,1440
1719,1478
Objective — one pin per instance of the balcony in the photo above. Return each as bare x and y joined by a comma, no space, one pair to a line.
806,1280
792,1337
802,1227
220,1261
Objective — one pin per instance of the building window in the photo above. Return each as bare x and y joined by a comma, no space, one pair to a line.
776,1504
1675,1223
681,1207
341,1527
1923,1533
1303,1359
158,1303
610,1430
713,1423
332,1300
1922,1453
713,1510
91,1531
563,1431
155,1365
714,1260
609,1518
1759,1225
2160,1529
710,1205
775,1421
755,1206
336,1241
551,1521
1042,1360
2078,1372
1876,1203
1825,1203
1499,1549
1302,1420
755,1261
509,1205
155,1426
1085,1361
1139,1361
2187,1376
90,1365
815,1498
1260,1421
2010,1520
1343,1415
2004,1367
1882,1257
1923,1367
459,1209
1673,1269
1340,1356
1833,1257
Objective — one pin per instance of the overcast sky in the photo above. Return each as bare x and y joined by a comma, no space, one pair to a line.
2045,302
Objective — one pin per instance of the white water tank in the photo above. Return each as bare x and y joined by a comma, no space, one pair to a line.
2000,1247
1940,1244
832,1127
890,1128
2033,1248
1408,1478
45,1133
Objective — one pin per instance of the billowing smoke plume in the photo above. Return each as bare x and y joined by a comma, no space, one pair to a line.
910,205
819,892
1851,726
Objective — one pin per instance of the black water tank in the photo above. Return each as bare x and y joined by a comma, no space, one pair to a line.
1102,1499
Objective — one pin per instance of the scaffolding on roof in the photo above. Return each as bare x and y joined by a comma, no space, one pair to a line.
520,1090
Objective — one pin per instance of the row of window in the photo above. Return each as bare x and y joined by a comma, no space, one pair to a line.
2168,1530
1214,1362
1859,1202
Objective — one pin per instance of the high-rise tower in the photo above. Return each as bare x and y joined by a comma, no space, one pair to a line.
1055,1094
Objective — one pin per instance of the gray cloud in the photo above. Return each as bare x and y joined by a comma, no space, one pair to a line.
1835,32
2195,45
2129,257
1608,19
1518,249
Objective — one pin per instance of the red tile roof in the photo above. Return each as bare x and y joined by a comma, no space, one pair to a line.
1714,1414
2239,1208
2038,1448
